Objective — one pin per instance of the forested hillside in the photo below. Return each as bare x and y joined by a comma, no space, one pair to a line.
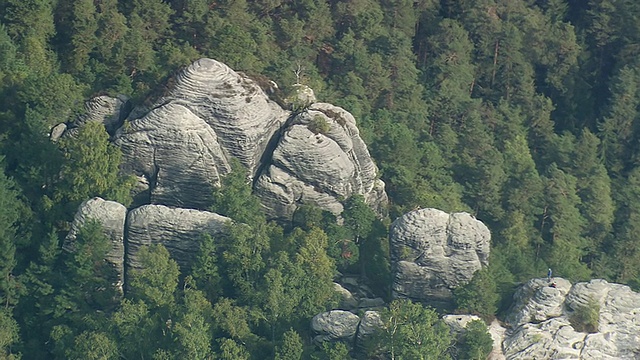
522,112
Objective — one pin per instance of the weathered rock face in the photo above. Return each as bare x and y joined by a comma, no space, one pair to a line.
235,107
112,217
182,146
320,168
335,325
433,252
543,322
176,155
107,110
179,230
110,111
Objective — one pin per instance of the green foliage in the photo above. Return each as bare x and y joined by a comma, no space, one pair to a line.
476,342
411,331
318,125
291,348
586,318
480,296
9,335
9,213
92,168
234,198
155,281
332,351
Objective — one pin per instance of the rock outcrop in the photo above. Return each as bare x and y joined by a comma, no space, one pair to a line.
183,145
319,159
433,252
236,108
545,324
176,156
179,230
335,325
111,111
111,215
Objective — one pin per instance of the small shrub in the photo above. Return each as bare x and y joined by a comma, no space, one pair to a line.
318,125
585,318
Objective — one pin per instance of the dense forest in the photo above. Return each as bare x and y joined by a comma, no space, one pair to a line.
521,112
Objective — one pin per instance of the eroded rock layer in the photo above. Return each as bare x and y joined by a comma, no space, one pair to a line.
433,252
549,322
319,160
235,107
179,230
176,155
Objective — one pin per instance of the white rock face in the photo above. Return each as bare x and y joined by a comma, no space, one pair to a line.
433,252
179,230
541,322
176,155
457,323
111,215
319,168
235,107
335,325
536,301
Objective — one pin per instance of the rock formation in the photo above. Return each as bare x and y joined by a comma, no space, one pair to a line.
433,252
335,325
545,323
180,148
319,159
179,230
176,153
111,215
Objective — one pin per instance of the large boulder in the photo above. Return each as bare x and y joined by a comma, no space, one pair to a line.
335,325
545,323
111,215
320,159
179,230
433,252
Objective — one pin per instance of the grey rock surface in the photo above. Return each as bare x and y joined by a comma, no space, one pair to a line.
111,216
233,105
57,132
536,301
319,168
111,111
543,319
179,230
433,252
347,300
369,324
176,156
335,325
